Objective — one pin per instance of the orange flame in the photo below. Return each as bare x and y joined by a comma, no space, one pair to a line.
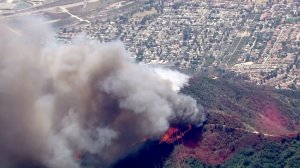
173,134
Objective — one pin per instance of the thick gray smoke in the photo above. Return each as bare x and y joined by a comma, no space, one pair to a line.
56,99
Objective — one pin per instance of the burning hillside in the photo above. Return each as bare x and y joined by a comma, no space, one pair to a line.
174,134
244,121
240,116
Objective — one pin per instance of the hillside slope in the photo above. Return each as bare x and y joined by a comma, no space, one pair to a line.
247,126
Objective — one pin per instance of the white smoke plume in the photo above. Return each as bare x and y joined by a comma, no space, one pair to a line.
56,99
177,79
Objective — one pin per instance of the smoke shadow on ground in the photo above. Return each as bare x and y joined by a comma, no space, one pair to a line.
192,138
151,155
29,164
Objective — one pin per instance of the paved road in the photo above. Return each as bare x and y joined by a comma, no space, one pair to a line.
47,9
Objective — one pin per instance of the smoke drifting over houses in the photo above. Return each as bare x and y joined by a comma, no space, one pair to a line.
57,99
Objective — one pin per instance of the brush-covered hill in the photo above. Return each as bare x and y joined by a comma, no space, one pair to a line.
247,126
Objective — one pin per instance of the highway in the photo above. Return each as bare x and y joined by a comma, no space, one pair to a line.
20,13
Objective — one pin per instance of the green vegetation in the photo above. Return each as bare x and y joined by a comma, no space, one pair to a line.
268,155
292,20
271,155
242,98
219,94
234,45
233,58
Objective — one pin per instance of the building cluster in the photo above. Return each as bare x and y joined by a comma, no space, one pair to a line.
261,41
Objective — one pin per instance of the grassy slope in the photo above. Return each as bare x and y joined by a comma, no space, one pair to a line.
249,104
